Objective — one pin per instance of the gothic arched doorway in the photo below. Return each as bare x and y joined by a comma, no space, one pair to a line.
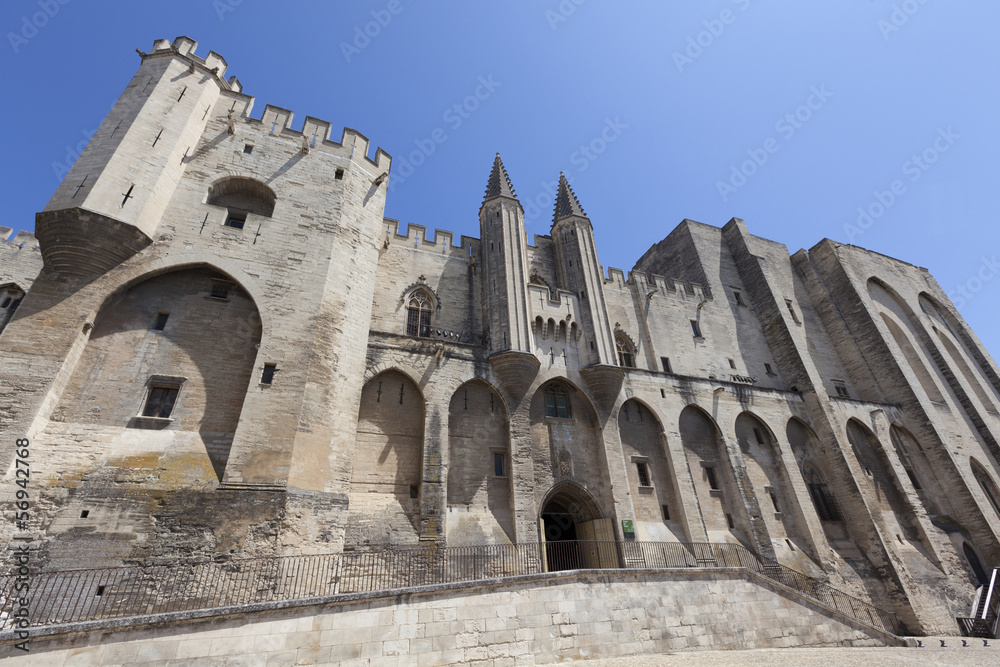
575,531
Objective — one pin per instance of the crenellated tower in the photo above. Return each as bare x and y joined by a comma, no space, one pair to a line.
504,250
111,201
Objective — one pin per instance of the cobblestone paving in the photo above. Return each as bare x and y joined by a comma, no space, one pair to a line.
974,656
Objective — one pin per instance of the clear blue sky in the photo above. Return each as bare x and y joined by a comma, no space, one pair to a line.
668,98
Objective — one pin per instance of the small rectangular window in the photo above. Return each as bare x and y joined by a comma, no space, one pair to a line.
160,402
791,310
713,483
414,492
757,435
739,299
768,370
339,174
161,321
84,514
666,512
774,500
732,364
695,328
729,520
663,393
220,290
842,391
498,465
267,376
6,302
666,364
236,219
248,148
643,471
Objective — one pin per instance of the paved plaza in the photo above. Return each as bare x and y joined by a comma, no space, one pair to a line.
975,655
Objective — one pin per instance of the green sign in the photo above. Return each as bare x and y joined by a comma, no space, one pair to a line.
627,526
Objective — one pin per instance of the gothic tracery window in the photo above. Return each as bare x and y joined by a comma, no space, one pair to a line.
626,355
418,315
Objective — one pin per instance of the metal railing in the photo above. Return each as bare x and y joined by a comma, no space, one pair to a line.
69,596
986,615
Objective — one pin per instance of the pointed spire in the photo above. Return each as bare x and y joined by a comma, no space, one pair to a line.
566,202
499,184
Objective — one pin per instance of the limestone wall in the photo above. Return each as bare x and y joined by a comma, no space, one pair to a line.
544,620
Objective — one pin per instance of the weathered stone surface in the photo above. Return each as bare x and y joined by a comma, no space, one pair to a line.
342,385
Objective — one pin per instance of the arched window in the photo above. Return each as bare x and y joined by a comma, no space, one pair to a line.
557,402
626,355
418,315
987,484
239,193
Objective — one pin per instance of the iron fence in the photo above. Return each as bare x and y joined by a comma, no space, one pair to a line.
68,596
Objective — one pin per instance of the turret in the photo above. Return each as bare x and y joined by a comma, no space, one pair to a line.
111,201
579,271
505,282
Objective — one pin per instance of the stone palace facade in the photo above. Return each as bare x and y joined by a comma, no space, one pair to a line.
217,345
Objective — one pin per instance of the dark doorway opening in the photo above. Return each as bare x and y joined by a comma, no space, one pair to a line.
975,564
562,550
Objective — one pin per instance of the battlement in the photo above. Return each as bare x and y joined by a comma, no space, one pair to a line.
315,133
651,282
24,239
275,120
442,241
213,63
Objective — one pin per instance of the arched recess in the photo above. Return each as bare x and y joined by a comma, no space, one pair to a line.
815,473
713,479
897,318
243,194
971,379
986,484
173,352
659,516
879,486
957,331
568,447
778,504
388,463
480,498
10,299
